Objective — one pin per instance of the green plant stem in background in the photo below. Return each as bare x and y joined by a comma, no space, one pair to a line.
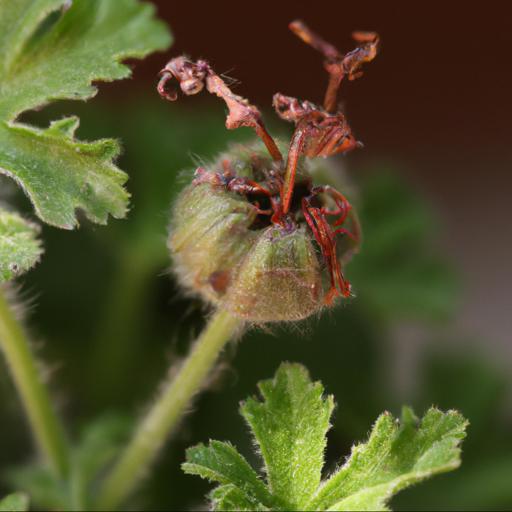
167,410
44,423
112,358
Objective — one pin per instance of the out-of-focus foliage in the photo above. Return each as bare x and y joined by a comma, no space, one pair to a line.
20,248
398,273
115,319
98,445
17,502
289,427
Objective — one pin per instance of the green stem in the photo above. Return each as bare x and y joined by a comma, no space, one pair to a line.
44,423
167,410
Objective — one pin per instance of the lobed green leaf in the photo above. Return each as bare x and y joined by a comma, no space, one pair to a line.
221,462
48,54
397,455
290,427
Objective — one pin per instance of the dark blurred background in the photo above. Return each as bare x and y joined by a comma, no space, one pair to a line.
431,321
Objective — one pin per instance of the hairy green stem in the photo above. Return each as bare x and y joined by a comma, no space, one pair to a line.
167,410
43,420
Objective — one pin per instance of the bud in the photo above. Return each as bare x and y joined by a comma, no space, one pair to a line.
280,278
253,234
234,257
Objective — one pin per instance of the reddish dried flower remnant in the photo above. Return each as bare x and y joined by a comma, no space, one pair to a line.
336,64
277,198
192,77
323,132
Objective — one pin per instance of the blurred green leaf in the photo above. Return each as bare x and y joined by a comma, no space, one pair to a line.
100,442
399,271
20,248
58,58
17,502
290,427
44,489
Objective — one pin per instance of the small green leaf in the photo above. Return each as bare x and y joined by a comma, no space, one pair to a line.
17,502
230,497
221,462
396,456
290,427
20,249
99,443
48,54
45,490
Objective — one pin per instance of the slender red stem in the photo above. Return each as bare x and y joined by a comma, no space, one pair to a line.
296,147
331,94
269,142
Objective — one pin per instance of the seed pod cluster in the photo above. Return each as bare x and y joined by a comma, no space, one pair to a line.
234,257
254,233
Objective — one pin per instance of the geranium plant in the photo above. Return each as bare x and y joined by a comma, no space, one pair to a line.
262,235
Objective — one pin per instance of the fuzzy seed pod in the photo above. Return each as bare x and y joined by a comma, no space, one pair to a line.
227,250
253,234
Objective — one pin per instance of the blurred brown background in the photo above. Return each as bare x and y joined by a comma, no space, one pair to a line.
435,103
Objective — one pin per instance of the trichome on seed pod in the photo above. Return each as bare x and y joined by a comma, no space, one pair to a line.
253,233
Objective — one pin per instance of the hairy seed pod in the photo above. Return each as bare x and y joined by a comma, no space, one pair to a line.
227,250
253,233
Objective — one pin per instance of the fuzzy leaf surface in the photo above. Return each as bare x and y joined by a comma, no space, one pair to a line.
290,427
20,248
220,462
230,497
397,455
50,50
17,502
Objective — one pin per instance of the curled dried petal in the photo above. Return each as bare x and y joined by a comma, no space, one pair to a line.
192,78
353,60
291,109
